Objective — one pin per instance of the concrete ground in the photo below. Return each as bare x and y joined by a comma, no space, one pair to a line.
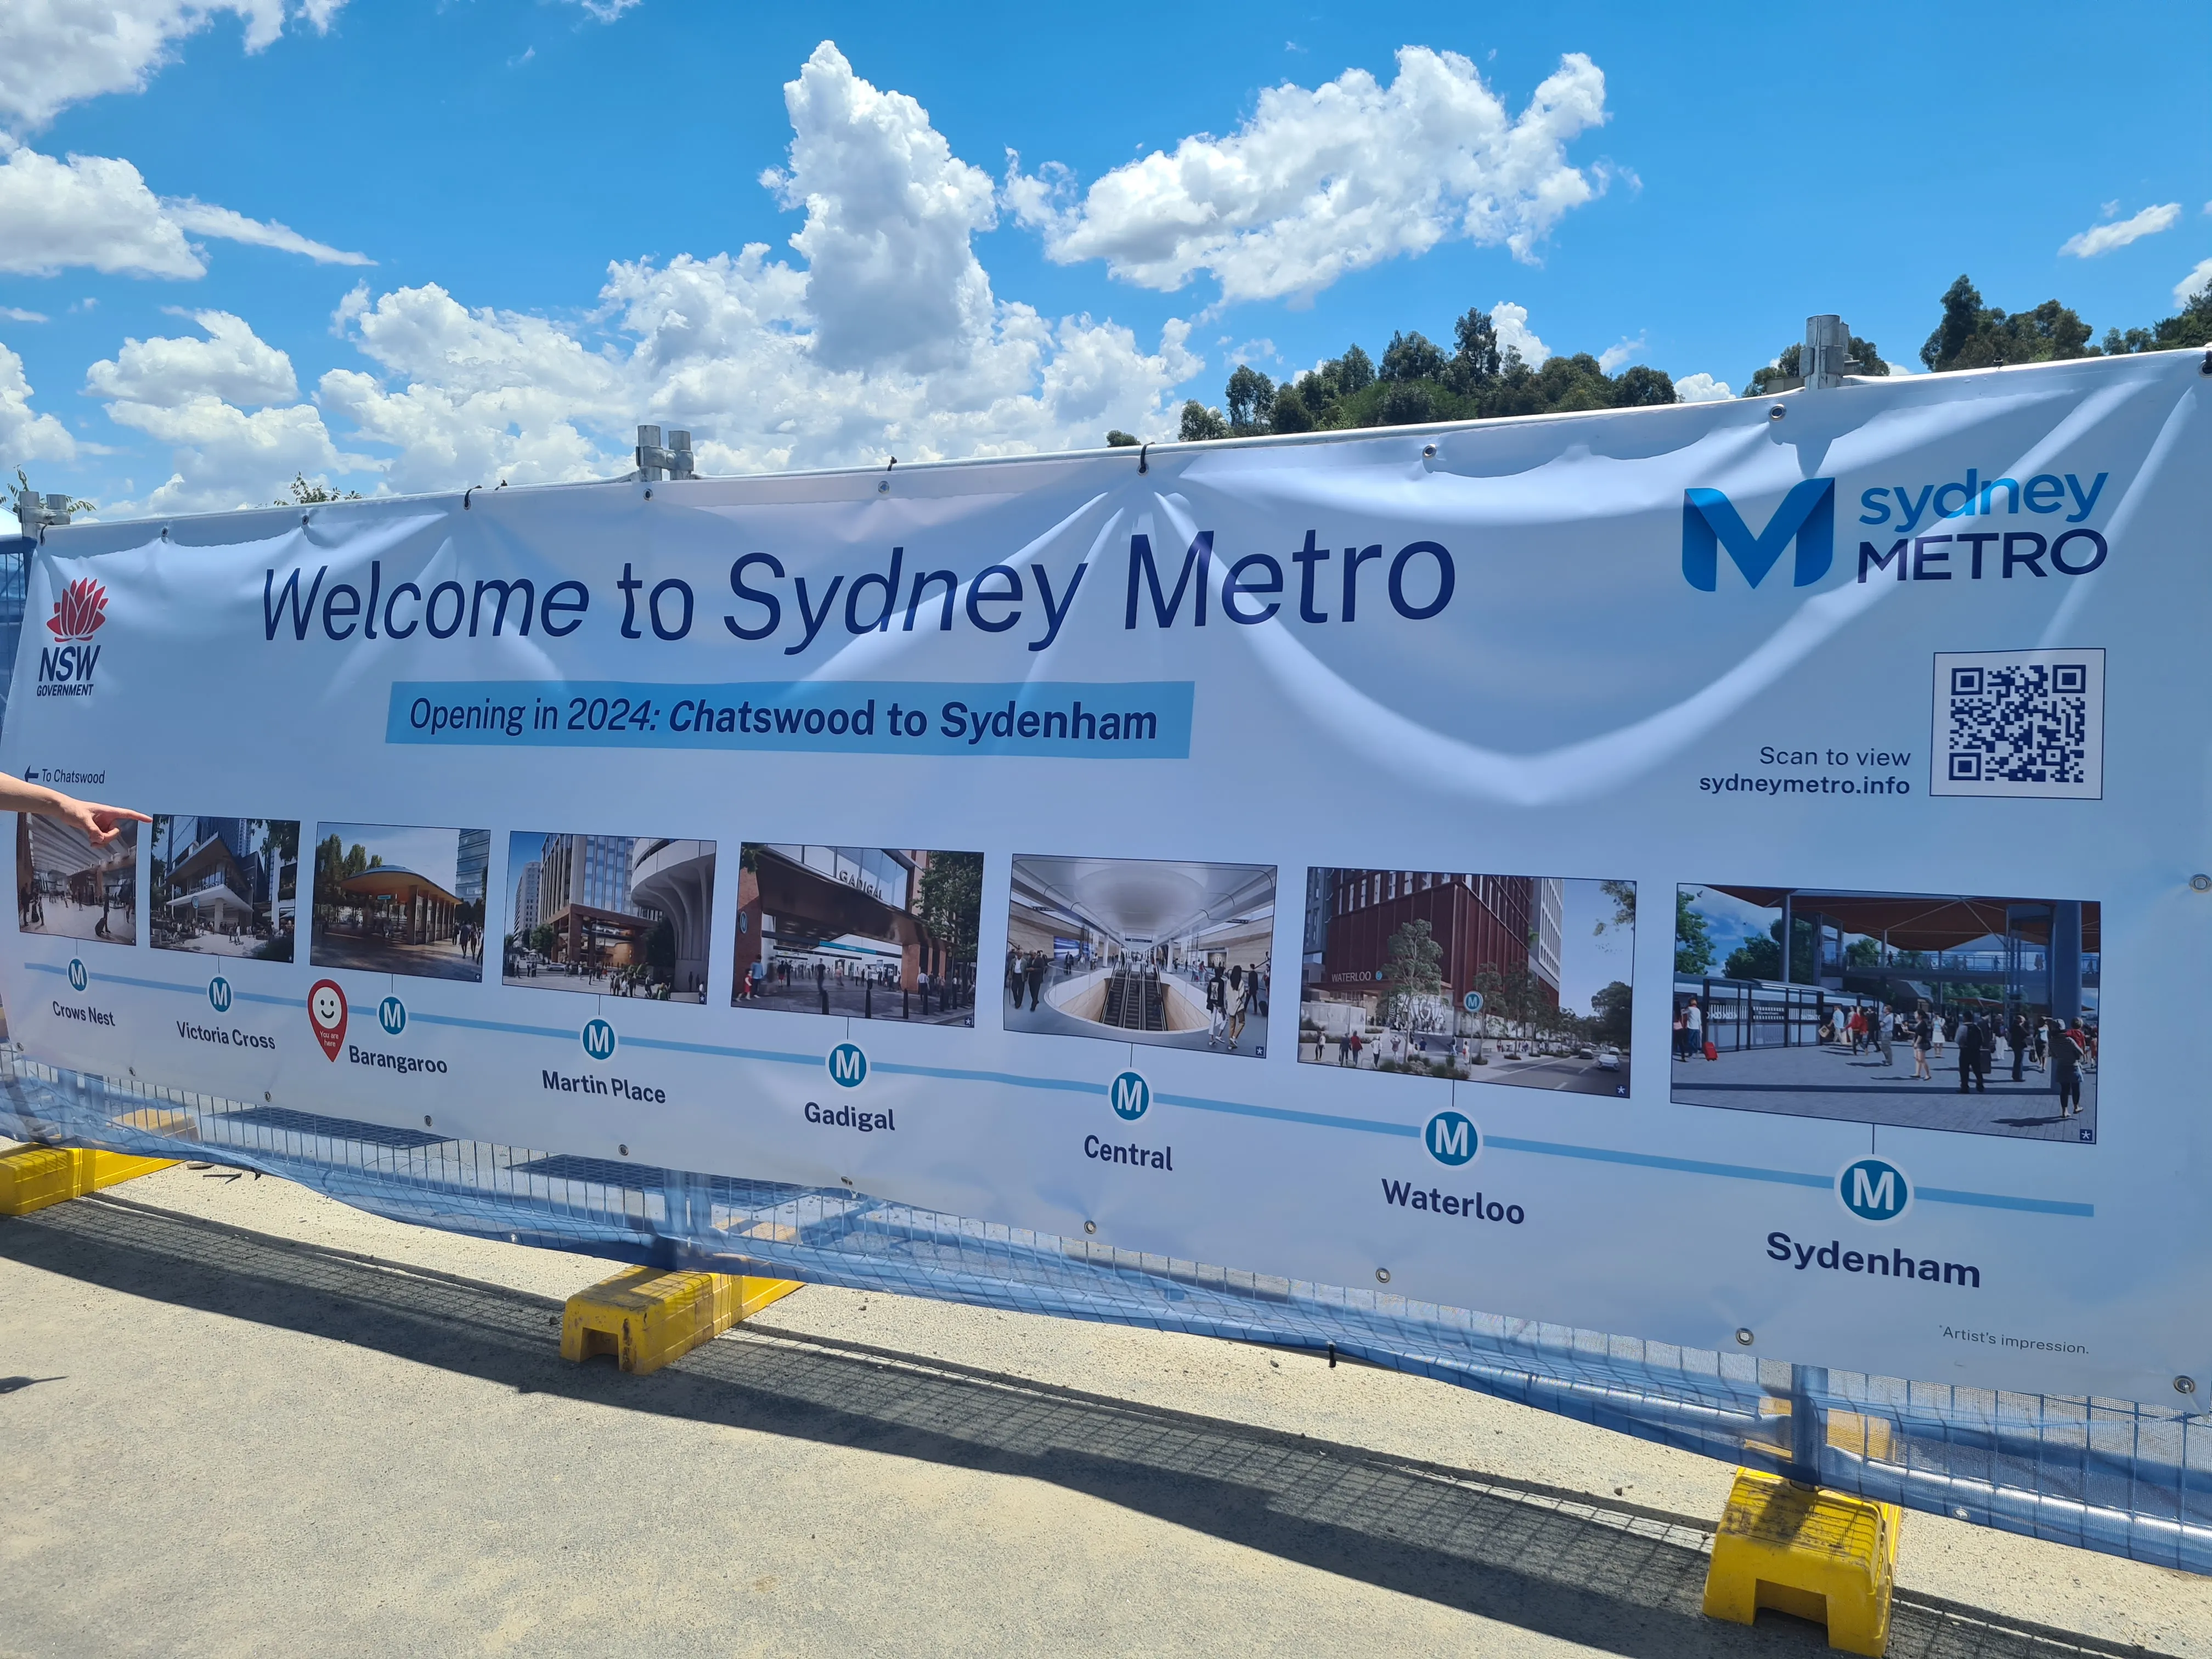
1834,1083
240,1418
380,956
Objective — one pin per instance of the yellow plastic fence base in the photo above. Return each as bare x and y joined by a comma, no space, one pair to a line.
1817,1554
646,1317
40,1176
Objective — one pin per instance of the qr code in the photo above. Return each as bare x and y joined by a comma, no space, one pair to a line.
2019,723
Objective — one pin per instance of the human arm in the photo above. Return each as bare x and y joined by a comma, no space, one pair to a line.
100,824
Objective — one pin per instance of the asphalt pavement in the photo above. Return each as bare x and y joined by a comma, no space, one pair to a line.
242,1418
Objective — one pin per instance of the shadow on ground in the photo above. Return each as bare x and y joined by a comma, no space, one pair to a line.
1614,1577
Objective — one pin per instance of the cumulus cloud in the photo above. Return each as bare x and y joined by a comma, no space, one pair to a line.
2103,239
1321,183
1614,355
96,210
232,363
882,338
25,434
187,392
891,275
1701,388
2197,279
54,54
1514,334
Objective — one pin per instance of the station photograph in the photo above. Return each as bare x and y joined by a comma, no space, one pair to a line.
396,899
66,887
225,887
867,933
1142,950
1926,1011
1522,980
610,915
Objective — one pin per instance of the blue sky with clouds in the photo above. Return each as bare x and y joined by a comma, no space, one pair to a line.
416,244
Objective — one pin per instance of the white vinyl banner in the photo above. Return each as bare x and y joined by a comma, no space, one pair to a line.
1730,874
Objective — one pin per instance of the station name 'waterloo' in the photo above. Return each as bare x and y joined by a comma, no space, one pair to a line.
1321,585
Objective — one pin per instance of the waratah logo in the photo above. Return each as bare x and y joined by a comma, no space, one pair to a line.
80,610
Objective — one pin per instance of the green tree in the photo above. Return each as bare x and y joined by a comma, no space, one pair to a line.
1412,967
1761,958
1974,335
1693,943
951,902
1200,423
1412,357
1476,361
304,493
1612,1010
1291,413
1406,403
1623,894
1117,439
1251,400
1640,387
1355,371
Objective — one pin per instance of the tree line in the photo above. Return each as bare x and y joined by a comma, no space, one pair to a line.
1417,381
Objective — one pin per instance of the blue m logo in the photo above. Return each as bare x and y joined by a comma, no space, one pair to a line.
1711,522
1875,1189
599,1039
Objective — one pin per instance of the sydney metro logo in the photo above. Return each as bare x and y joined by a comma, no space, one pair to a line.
65,670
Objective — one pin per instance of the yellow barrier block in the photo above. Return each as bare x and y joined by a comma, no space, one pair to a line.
646,1317
38,1176
1817,1554
160,1120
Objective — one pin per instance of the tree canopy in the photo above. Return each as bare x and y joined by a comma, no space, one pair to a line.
1418,381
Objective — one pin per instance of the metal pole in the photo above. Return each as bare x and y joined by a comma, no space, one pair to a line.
1809,1424
1827,351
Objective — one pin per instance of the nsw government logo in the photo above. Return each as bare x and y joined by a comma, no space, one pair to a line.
1452,1137
65,666
1874,1189
1130,1095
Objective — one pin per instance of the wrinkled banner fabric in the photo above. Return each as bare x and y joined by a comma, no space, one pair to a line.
1648,872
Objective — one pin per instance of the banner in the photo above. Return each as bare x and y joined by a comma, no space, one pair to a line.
1646,870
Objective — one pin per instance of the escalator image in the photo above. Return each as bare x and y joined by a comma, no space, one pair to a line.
1142,950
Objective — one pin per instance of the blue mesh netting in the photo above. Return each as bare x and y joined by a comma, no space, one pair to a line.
2105,1474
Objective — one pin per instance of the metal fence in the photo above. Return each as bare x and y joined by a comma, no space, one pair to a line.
2112,1475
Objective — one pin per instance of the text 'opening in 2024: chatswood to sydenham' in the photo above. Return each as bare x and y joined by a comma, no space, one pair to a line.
1147,719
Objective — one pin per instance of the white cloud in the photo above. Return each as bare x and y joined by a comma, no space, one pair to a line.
187,392
604,11
1701,388
54,54
227,457
1321,183
2103,239
885,339
96,210
18,314
891,275
232,363
1614,355
206,219
2200,277
1514,334
26,436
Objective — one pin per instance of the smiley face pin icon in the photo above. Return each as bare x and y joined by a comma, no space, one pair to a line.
326,1012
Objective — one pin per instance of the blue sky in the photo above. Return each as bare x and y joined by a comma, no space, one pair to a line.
418,244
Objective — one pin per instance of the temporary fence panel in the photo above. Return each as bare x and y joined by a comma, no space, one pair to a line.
1236,854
